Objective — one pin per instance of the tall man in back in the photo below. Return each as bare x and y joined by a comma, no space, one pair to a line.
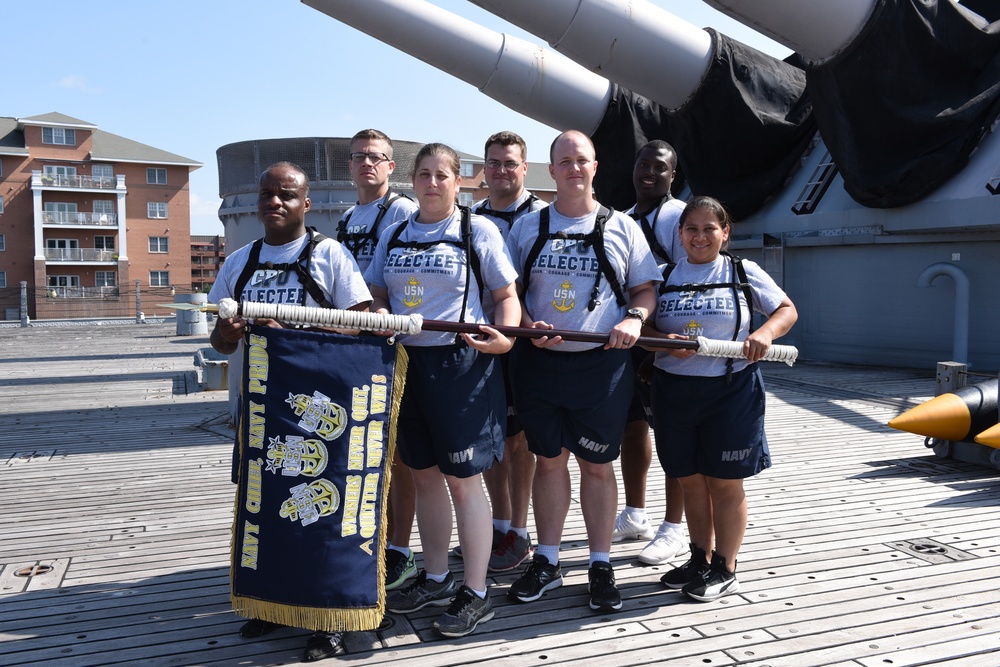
378,208
657,213
586,268
508,483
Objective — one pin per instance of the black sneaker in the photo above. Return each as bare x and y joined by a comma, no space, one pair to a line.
467,611
538,577
713,583
421,593
679,577
256,627
498,536
323,645
604,595
398,569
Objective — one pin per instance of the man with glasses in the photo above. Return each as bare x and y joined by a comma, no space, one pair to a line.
508,484
378,208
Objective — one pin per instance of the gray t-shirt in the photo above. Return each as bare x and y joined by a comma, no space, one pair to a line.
712,313
331,265
432,281
361,217
564,273
664,227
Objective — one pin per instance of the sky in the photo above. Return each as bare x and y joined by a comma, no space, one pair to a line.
189,76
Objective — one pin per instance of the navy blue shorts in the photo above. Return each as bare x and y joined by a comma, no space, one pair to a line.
641,408
572,400
705,426
453,410
513,423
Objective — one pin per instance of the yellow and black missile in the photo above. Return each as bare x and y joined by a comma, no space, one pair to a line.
957,416
990,437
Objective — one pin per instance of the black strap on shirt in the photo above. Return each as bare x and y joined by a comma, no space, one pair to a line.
507,216
739,283
300,266
595,239
472,265
355,241
647,229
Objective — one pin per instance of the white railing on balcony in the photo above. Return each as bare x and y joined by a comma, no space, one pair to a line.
64,181
80,255
67,218
82,292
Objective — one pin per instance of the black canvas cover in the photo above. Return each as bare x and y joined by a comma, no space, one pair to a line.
903,107
738,138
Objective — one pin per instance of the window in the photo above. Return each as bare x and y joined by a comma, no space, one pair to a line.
63,281
156,209
3,242
158,244
103,171
465,199
3,279
62,244
59,135
156,176
159,279
105,278
467,170
1,205
104,242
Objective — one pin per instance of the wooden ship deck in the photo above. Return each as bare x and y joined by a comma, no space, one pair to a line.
863,547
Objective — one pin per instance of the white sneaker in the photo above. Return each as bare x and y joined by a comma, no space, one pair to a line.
663,548
626,528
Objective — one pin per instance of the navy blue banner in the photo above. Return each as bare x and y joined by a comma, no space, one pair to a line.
317,434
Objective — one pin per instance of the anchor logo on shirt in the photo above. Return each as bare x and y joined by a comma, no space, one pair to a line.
564,297
413,293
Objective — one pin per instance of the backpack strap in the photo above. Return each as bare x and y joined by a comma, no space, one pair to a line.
507,216
355,241
595,238
647,228
300,266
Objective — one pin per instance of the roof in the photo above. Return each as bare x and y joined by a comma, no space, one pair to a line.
105,145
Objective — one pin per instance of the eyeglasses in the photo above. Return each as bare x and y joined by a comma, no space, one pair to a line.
374,158
509,165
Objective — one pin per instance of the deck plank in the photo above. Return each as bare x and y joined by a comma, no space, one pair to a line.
114,468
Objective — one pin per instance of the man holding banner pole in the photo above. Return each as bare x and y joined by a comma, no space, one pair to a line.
292,265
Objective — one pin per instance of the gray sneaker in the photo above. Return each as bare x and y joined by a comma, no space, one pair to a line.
467,611
421,593
513,551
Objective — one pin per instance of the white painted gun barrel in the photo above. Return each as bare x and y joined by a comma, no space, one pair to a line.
818,31
531,80
635,44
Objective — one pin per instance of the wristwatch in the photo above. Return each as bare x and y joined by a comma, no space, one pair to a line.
635,313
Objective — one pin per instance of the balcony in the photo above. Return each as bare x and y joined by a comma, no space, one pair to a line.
86,182
80,255
82,292
79,219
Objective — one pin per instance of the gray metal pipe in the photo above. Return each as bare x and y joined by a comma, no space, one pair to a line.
960,344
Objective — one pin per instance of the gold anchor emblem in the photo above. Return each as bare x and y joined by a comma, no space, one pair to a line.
414,293
565,297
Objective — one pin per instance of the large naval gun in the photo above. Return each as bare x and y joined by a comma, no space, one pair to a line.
860,170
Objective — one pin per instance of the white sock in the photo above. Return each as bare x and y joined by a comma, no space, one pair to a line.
403,550
481,594
599,556
637,514
437,578
503,525
521,532
551,553
667,527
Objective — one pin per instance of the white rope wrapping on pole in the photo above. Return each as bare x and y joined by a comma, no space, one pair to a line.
322,317
734,350
412,324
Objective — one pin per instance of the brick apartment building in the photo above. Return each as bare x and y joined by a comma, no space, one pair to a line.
207,255
84,214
